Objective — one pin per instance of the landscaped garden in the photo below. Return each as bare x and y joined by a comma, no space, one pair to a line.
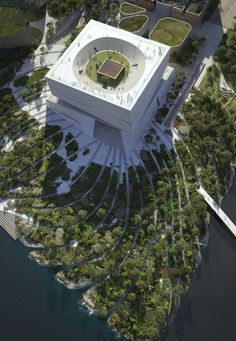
95,63
34,84
14,20
189,52
133,23
231,107
210,85
225,56
125,232
170,31
130,9
194,8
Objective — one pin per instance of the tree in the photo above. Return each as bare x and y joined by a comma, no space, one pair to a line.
101,213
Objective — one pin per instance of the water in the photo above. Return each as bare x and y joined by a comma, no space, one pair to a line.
208,311
33,306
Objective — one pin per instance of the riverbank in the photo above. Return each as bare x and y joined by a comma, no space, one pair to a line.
207,310
36,302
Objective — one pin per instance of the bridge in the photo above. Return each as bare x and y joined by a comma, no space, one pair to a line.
217,209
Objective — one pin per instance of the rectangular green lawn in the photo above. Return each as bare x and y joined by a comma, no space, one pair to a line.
131,9
133,24
170,31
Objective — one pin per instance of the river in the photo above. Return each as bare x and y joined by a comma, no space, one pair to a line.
33,306
208,310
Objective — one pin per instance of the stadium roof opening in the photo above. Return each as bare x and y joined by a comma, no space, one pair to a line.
111,69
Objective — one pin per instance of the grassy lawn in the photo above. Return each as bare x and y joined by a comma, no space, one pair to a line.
131,9
96,61
14,20
36,36
170,31
133,24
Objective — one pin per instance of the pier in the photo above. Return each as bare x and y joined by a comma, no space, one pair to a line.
217,209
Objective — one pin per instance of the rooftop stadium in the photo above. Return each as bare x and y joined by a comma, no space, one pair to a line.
111,76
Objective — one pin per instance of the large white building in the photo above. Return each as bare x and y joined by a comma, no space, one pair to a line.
115,114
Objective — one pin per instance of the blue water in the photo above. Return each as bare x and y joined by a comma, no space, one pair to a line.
34,307
208,311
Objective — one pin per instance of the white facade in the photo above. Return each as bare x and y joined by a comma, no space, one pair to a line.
124,108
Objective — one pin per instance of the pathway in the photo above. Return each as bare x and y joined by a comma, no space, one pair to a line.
216,208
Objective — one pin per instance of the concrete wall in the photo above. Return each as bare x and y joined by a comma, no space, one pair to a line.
110,135
103,110
191,18
21,38
115,115
148,4
85,121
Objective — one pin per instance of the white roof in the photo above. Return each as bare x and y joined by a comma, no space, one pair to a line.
145,57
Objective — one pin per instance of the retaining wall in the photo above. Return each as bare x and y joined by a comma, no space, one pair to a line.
8,223
149,5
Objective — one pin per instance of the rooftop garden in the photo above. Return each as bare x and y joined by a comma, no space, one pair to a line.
134,23
170,31
130,9
14,20
98,60
194,8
